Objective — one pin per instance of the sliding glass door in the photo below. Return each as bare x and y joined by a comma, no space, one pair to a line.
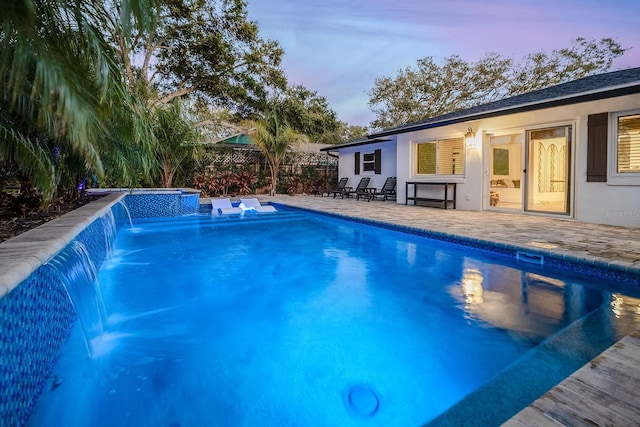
548,171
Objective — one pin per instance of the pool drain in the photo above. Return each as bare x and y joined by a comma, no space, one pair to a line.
362,400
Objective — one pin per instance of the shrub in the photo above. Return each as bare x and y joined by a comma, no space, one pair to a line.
225,182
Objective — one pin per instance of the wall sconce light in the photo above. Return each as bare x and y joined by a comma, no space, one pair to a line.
470,138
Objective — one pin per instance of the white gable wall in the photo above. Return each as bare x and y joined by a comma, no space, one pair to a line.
346,165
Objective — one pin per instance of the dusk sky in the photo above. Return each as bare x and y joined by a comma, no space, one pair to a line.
339,47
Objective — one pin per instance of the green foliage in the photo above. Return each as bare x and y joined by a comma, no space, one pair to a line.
430,89
177,141
225,182
352,132
307,182
308,113
208,50
62,87
584,58
274,138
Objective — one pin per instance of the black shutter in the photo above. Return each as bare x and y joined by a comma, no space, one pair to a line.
356,157
597,134
377,166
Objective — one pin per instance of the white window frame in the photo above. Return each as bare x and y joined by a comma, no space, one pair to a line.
437,176
613,176
371,162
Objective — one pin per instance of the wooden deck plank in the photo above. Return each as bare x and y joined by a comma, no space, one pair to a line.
617,362
603,392
531,417
619,385
627,349
570,408
626,410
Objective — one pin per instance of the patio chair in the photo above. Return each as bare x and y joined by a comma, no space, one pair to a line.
340,187
388,190
224,207
360,190
254,205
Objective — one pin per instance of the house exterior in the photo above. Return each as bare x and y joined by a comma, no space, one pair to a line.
568,151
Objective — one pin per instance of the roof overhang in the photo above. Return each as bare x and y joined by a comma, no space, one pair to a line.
357,142
450,119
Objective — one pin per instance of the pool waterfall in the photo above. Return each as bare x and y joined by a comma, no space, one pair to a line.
80,279
39,309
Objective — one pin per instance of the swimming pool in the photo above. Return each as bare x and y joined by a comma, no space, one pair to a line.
301,319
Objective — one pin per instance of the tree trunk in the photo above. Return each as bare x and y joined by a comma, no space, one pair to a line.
274,166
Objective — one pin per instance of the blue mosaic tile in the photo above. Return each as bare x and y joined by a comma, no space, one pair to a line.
121,214
162,205
94,240
35,320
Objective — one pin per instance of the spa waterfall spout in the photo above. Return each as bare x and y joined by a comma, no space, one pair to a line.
77,272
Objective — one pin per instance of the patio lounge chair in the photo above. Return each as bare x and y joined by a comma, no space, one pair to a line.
360,190
388,190
340,187
224,207
254,205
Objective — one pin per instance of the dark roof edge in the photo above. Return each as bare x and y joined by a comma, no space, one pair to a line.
521,108
355,143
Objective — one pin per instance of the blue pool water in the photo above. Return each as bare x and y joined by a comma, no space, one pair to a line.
296,319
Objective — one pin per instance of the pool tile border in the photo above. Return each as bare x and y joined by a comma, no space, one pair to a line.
590,265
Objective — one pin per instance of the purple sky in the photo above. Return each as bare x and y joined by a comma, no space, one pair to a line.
339,47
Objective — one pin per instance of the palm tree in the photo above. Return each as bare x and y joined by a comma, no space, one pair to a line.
274,140
62,88
177,140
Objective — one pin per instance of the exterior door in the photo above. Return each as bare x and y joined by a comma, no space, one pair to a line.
548,171
505,171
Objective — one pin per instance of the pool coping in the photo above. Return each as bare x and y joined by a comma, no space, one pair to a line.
22,255
560,255
562,258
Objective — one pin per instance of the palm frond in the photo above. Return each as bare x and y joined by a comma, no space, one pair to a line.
30,158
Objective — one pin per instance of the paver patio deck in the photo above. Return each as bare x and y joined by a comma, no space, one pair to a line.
617,247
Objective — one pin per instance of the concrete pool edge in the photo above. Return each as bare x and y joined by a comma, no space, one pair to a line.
22,255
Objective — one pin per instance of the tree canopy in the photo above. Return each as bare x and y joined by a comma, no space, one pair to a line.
431,89
207,50
92,88
115,89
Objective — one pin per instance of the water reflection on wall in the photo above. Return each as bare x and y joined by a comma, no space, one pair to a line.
625,306
526,304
